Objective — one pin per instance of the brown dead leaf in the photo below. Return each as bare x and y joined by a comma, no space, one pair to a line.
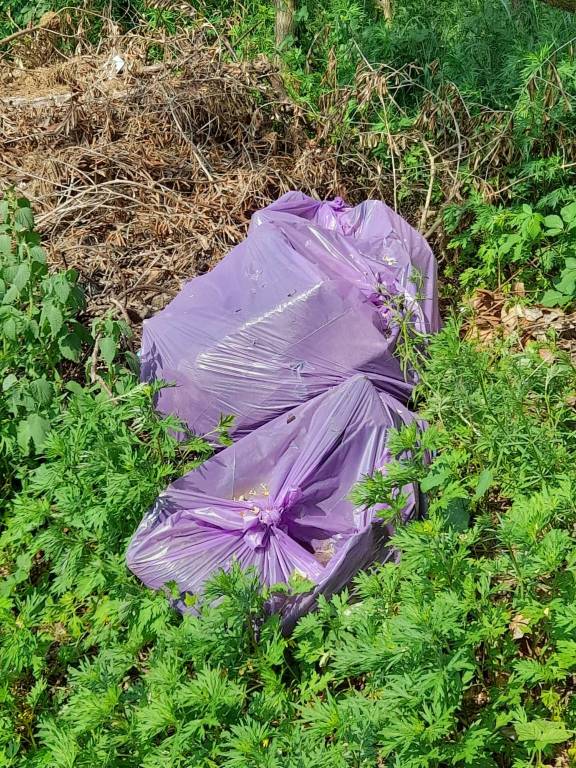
511,317
519,626
518,289
495,315
531,314
547,355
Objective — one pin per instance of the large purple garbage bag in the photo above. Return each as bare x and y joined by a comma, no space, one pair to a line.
279,500
310,298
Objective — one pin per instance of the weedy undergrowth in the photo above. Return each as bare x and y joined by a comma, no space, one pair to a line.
39,329
462,653
532,243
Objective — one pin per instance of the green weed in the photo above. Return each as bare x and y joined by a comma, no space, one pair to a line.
527,243
462,653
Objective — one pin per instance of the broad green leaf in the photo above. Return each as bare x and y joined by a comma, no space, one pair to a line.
42,391
484,482
39,427
5,245
23,437
107,349
70,346
533,228
24,218
11,295
22,276
82,332
507,242
554,222
37,253
4,210
9,272
553,298
9,328
54,317
542,732
457,515
132,362
9,382
567,282
434,479
568,213
62,288
33,429
74,387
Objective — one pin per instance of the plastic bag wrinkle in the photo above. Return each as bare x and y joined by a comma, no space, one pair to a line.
278,499
300,306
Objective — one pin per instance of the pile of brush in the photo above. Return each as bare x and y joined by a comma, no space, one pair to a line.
146,157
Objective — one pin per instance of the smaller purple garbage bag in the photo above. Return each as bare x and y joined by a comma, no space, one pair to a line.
279,500
316,293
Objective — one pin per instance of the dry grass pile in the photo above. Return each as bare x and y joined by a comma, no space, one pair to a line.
143,173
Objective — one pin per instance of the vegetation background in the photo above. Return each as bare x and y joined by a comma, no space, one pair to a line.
464,654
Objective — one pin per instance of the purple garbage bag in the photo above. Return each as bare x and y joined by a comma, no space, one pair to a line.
279,500
318,292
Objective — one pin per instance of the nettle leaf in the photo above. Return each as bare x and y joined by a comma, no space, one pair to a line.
37,253
9,328
75,388
9,272
4,210
33,430
11,295
53,316
70,346
132,362
543,732
33,328
42,391
21,276
9,382
62,288
24,218
5,245
107,349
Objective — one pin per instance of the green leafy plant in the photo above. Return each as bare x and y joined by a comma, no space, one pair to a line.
525,242
39,332
461,653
